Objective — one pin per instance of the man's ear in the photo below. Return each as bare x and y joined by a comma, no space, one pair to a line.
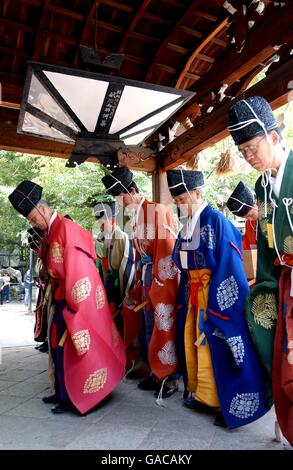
198,193
275,137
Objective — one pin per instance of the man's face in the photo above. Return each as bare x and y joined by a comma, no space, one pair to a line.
252,214
187,203
260,152
107,225
126,199
36,218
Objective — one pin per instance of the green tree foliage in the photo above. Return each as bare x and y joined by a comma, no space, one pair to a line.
66,189
218,188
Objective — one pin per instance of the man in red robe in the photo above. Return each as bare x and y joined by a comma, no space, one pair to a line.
87,351
152,305
242,203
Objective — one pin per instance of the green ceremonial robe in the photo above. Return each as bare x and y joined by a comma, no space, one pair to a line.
262,302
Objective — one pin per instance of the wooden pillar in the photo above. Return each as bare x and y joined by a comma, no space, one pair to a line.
156,186
161,191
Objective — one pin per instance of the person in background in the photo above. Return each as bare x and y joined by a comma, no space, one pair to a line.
86,348
28,282
220,366
242,203
117,258
1,288
269,310
6,288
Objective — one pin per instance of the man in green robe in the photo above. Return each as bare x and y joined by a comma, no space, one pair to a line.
115,258
269,307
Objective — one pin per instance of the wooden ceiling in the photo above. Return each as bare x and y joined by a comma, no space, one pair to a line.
196,45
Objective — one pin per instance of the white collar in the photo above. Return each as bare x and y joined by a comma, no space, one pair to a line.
276,183
53,217
191,222
138,209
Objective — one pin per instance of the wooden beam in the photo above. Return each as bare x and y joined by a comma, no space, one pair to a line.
88,23
173,3
197,52
38,38
23,26
138,158
156,19
219,42
258,46
232,66
12,51
176,48
206,58
6,104
35,3
166,68
191,31
135,59
206,15
60,37
213,127
139,14
168,40
65,12
192,76
10,140
118,5
143,37
109,26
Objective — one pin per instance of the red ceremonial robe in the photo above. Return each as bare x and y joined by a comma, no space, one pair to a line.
249,237
283,355
156,291
94,353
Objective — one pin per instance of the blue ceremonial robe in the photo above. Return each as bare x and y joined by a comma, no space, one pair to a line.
215,245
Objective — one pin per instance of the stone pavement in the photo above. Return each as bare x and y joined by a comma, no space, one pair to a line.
129,419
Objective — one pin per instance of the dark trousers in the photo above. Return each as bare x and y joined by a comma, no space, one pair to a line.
57,329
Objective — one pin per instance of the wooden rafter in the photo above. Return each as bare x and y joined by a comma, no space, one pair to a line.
14,52
118,5
195,54
85,30
42,21
174,3
139,14
205,14
219,42
35,3
191,31
168,40
177,48
20,35
109,26
213,127
232,66
23,26
60,37
157,19
206,58
66,12
143,37
166,68
261,39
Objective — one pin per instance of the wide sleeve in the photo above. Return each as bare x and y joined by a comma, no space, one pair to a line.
83,289
262,303
228,290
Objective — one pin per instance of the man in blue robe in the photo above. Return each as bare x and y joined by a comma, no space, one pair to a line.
220,366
